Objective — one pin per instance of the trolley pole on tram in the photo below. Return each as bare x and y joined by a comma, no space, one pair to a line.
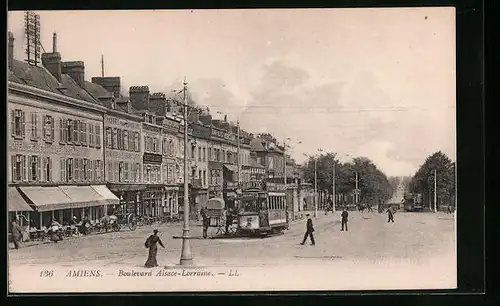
186,255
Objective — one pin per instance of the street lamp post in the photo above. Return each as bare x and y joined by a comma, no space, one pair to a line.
186,255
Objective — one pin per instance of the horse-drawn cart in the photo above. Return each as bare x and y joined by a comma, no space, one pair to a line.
217,217
117,222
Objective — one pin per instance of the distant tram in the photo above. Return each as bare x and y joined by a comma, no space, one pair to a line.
263,209
412,201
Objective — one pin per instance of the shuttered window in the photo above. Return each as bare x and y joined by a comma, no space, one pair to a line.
82,170
76,172
98,136
18,167
17,123
62,169
34,126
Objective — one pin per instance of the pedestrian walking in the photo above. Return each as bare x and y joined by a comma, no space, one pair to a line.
153,249
55,231
309,231
390,215
345,217
16,233
206,221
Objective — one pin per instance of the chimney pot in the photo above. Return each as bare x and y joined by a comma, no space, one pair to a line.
11,50
54,43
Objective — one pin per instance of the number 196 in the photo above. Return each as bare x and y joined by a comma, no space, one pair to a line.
46,273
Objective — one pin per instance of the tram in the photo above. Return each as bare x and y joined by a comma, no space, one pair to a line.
263,209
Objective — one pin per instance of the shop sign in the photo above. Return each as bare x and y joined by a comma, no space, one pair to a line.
152,158
275,187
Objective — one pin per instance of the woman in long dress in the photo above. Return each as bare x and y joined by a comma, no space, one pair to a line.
153,249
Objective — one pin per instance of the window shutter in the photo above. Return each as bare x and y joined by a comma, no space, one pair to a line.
98,136
76,171
44,163
61,130
85,133
65,130
23,124
36,125
76,131
29,161
49,169
32,126
23,168
44,128
82,174
62,165
39,169
12,122
52,128
13,167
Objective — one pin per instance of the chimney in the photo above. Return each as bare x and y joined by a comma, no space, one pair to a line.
139,96
54,43
52,61
76,70
111,84
157,103
11,50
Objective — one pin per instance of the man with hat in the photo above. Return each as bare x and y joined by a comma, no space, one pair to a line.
309,231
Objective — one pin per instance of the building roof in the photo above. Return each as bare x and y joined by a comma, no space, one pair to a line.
97,90
256,145
39,77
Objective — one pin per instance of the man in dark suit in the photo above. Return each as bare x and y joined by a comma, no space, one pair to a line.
345,217
309,231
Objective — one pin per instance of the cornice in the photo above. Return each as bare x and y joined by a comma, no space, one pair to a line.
31,90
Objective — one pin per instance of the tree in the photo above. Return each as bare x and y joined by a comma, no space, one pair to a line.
372,182
423,180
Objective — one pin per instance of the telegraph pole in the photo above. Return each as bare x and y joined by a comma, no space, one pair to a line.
333,187
356,196
186,256
435,190
238,153
315,188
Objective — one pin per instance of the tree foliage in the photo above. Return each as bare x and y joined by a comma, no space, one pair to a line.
373,183
423,180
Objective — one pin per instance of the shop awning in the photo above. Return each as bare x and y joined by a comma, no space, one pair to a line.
106,194
232,168
16,201
47,198
83,196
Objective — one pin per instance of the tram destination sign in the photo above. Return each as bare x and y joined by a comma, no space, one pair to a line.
275,187
252,185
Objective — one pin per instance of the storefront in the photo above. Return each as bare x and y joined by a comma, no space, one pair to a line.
152,200
19,209
63,202
170,203
130,198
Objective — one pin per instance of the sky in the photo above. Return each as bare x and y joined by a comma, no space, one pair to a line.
378,83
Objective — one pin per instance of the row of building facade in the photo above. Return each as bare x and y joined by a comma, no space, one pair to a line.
79,148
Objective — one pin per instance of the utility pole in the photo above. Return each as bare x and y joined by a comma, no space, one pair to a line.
333,186
356,195
315,188
435,190
238,153
186,256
